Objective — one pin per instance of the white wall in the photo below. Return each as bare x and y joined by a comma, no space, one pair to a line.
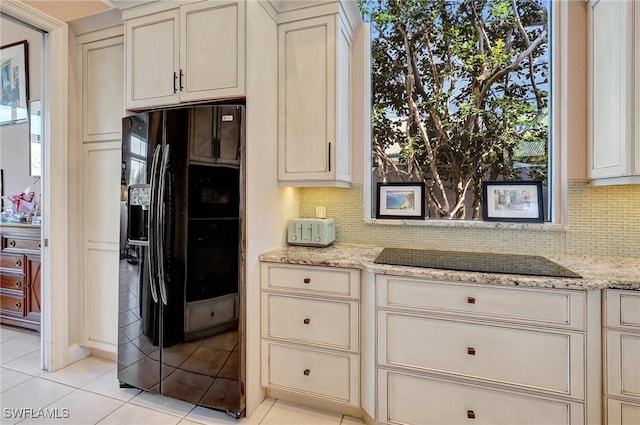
14,138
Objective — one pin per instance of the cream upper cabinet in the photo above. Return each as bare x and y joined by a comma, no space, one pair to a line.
314,102
614,148
191,53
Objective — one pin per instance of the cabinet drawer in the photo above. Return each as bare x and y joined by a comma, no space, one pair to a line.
11,243
411,399
550,361
209,313
622,413
326,323
623,309
623,364
12,281
11,303
552,307
315,373
12,261
311,279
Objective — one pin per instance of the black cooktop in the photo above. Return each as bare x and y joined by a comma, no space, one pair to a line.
474,262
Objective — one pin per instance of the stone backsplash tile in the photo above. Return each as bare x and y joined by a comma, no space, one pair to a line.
601,221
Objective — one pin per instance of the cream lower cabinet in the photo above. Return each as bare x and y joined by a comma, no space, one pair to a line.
622,357
485,354
310,333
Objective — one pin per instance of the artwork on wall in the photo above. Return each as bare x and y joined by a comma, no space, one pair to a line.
401,201
35,142
516,201
14,81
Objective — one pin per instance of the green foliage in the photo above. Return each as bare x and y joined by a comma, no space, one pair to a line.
476,93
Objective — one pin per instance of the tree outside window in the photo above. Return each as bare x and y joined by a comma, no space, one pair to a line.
460,95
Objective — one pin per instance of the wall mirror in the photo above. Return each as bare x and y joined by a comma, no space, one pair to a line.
35,139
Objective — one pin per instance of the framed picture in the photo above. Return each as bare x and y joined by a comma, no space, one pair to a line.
401,201
516,201
35,142
14,80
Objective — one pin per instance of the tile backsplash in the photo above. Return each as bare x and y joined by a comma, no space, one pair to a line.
602,221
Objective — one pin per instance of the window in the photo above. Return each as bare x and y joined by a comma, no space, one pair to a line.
461,95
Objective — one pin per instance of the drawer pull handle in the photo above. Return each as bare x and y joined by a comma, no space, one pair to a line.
306,372
18,284
18,263
39,245
471,414
12,243
471,351
307,321
471,300
18,305
307,280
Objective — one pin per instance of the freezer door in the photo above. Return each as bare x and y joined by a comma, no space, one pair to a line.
139,312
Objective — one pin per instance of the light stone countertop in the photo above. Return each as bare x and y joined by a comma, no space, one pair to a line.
596,272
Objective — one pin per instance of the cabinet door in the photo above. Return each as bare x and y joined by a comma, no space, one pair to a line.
32,290
211,50
307,107
152,60
611,83
102,82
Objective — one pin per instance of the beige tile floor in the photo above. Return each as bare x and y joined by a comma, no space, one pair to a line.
87,392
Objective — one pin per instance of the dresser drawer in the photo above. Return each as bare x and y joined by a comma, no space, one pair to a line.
410,399
550,307
311,279
12,261
623,309
21,244
623,364
12,303
325,323
315,373
546,360
12,281
622,413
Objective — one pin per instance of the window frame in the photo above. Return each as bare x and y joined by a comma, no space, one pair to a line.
557,172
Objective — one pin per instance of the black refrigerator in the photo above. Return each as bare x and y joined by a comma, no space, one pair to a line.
180,310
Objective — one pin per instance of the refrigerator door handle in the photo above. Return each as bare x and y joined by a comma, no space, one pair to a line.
160,226
152,223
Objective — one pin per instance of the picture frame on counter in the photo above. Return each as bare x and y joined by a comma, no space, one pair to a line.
14,83
513,201
401,200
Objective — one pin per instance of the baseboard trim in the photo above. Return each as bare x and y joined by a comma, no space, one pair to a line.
106,355
77,352
316,403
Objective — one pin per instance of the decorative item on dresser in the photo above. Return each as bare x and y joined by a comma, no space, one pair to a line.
20,275
622,357
310,335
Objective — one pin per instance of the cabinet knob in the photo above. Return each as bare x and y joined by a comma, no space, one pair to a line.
18,263
306,372
471,414
471,351
213,313
18,284
39,245
18,305
12,243
471,300
307,321
307,280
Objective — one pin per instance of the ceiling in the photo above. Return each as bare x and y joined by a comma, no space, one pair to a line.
68,10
